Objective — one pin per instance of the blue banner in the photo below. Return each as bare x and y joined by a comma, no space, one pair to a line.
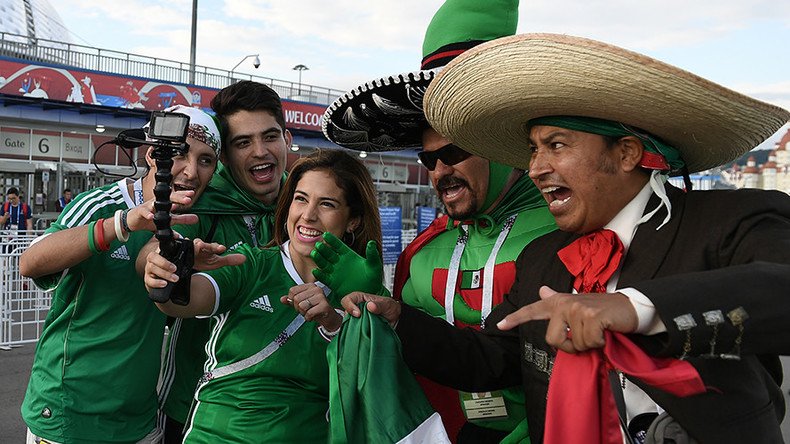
391,240
425,215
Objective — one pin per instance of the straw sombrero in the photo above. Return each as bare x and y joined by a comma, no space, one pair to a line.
482,99
386,114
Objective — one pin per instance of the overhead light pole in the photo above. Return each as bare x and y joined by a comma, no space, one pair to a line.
193,45
256,62
300,68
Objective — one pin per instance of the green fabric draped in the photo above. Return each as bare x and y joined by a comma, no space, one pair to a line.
223,196
373,396
611,128
497,177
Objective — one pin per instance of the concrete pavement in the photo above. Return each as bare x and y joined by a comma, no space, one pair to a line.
15,371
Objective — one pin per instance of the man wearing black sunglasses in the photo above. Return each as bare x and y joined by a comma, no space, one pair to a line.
461,266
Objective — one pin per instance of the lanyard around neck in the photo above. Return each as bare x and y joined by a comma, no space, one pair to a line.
488,272
18,217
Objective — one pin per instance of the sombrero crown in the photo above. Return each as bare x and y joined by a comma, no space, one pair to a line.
483,99
386,114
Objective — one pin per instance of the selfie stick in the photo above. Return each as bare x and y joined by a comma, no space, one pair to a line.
178,251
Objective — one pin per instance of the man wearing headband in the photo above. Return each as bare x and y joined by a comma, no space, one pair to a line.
654,314
237,208
461,266
96,366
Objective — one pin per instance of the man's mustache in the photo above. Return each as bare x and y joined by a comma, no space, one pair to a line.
451,181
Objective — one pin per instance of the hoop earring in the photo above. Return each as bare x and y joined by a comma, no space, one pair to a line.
353,238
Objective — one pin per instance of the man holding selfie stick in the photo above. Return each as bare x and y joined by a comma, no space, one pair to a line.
96,366
236,209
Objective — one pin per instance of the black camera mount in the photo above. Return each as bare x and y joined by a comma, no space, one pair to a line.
167,134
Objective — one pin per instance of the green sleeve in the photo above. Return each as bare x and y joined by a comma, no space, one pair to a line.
50,282
233,281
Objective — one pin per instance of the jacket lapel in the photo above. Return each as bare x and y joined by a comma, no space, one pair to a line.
649,247
558,277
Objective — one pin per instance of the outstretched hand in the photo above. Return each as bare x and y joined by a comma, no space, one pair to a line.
576,321
159,271
343,270
208,256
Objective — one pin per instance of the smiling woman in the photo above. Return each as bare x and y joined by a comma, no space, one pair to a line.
284,308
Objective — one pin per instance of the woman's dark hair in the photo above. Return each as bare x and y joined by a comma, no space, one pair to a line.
353,178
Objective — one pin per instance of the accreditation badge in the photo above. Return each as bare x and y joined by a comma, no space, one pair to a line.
483,405
13,230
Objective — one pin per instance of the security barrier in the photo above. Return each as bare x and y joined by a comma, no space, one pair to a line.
23,307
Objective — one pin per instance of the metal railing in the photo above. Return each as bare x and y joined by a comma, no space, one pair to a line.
116,62
23,307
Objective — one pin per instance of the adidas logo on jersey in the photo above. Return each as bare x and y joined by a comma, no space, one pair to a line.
121,253
262,303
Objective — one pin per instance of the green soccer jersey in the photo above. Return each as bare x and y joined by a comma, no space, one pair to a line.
429,270
185,355
280,399
95,371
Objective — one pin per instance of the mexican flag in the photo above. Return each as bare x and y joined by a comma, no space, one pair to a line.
373,396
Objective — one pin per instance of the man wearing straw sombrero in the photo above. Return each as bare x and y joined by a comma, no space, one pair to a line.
651,302
462,265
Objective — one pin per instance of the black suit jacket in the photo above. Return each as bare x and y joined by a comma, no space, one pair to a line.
724,252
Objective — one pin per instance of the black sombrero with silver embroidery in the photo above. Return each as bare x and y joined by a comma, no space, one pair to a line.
386,114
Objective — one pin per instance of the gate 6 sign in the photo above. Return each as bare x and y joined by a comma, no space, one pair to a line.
388,173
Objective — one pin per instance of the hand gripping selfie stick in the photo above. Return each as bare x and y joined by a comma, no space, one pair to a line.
169,134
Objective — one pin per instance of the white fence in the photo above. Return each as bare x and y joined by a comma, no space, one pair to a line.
23,307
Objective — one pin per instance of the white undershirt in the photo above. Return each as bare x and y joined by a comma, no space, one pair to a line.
625,224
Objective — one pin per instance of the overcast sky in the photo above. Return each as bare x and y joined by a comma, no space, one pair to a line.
740,44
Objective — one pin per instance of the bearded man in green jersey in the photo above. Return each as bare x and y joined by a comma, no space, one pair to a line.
463,264
95,371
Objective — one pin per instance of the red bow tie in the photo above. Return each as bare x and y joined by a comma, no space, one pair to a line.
593,259
579,387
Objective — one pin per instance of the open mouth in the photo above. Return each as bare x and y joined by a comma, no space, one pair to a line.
308,234
556,196
262,173
183,187
451,192
450,187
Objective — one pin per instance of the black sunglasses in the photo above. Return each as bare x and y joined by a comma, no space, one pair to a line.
448,154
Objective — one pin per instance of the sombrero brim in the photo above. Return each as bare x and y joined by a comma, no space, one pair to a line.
482,99
382,115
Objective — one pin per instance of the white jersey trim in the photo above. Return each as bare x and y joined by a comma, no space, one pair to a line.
216,295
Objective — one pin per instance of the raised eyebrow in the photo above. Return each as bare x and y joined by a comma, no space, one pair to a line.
548,138
273,130
238,138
